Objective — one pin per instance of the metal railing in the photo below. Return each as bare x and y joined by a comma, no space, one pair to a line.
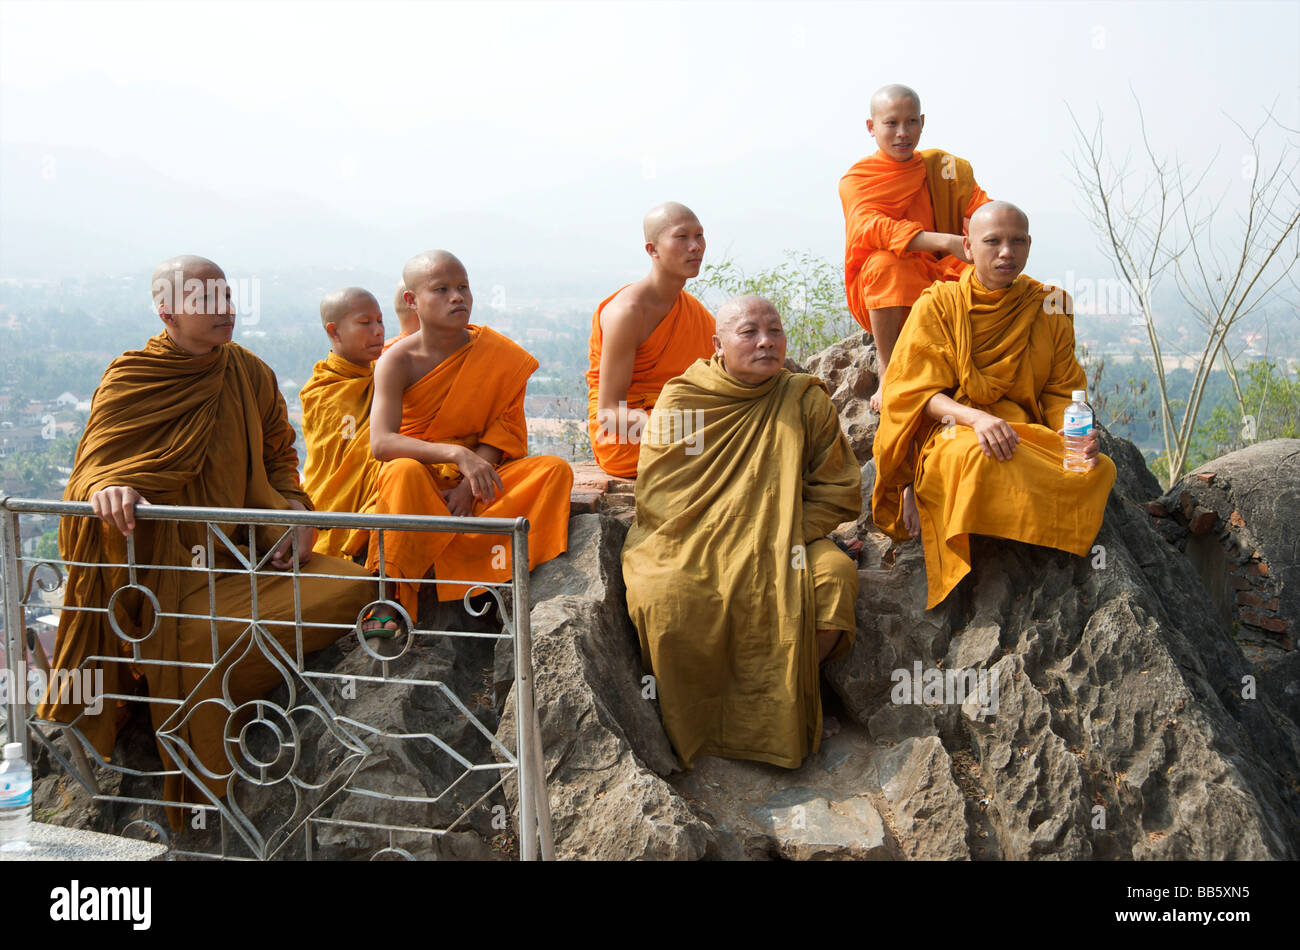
294,737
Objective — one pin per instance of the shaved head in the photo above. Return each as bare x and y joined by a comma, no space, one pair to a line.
730,313
663,215
169,277
421,265
887,94
337,304
400,306
986,213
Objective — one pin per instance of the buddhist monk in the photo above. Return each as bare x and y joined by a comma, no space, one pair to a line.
978,388
448,425
191,419
341,474
407,321
735,590
643,335
904,216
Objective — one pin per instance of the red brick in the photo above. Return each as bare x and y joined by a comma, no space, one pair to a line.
583,502
1236,520
1274,624
1249,598
1202,521
1240,583
1157,510
1259,567
1271,604
1207,477
1251,617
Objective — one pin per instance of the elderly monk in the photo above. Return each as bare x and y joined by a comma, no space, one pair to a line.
904,215
191,419
735,590
448,425
643,335
407,320
978,389
341,474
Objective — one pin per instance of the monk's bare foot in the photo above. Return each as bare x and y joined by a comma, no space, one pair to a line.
911,516
830,726
875,400
378,626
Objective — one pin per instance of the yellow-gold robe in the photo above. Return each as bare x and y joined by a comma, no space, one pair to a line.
728,571
340,474
1008,352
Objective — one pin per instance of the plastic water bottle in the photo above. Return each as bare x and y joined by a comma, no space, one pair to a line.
15,799
1078,427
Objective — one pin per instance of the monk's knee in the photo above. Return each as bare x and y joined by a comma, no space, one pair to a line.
879,263
402,471
835,585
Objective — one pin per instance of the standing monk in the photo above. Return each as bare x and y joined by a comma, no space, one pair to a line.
735,590
904,216
448,426
196,420
341,474
978,389
643,335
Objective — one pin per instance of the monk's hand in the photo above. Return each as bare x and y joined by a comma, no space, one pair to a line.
1091,446
459,500
282,556
997,439
481,476
115,506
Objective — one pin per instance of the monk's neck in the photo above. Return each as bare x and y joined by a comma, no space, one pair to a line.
990,288
665,288
187,348
443,341
356,363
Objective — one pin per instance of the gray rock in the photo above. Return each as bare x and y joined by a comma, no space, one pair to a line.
808,827
929,812
849,370
601,738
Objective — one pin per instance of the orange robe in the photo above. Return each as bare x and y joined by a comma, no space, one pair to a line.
473,397
682,337
209,431
340,474
1008,352
391,340
887,204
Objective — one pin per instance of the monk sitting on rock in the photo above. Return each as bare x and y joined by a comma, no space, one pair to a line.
977,392
904,216
644,335
448,426
194,420
735,590
341,474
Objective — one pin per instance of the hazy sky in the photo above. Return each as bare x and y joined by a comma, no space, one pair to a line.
532,137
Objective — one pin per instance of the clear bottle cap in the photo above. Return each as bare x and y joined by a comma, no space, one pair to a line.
1080,395
13,750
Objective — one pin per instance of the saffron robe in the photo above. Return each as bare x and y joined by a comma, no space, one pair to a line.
209,431
340,474
728,571
1008,352
888,203
474,397
682,337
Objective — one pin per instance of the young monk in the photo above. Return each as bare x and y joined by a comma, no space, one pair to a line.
407,321
341,474
448,426
643,335
904,216
978,389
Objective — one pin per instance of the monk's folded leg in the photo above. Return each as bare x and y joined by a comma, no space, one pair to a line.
614,453
328,607
537,488
895,280
1028,498
408,487
835,589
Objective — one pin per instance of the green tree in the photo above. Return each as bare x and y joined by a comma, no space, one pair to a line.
808,293
1271,396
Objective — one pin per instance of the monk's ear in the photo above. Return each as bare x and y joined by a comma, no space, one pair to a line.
717,345
870,130
651,249
409,299
332,330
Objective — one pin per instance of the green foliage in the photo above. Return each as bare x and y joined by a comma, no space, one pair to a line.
1272,411
47,548
808,293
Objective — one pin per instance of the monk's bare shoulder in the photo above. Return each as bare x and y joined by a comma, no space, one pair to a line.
631,315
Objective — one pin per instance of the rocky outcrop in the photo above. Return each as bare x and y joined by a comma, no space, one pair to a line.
849,369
